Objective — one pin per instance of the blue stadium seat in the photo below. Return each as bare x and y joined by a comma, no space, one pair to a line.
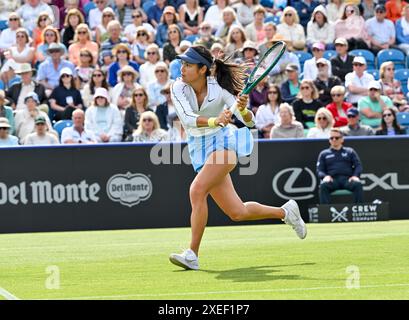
88,7
60,125
374,72
394,55
328,54
403,118
402,75
302,57
368,55
192,38
3,25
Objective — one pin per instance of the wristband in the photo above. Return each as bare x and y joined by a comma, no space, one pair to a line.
244,112
211,122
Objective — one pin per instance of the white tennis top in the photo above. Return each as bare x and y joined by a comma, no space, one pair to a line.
186,106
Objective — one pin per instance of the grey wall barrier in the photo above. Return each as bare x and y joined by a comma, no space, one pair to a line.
128,186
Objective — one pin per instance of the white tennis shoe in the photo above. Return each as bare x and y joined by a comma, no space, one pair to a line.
293,218
187,259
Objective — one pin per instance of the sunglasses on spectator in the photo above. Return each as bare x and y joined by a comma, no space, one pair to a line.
172,31
53,51
147,120
373,89
65,76
160,70
321,65
2,128
358,64
272,92
205,28
20,36
304,88
138,95
136,16
14,19
50,34
85,55
97,75
151,53
336,94
288,15
351,116
82,32
380,11
99,2
387,115
43,19
141,34
335,138
40,124
122,51
321,118
107,16
128,74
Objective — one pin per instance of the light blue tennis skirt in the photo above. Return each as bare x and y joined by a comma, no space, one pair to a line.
228,138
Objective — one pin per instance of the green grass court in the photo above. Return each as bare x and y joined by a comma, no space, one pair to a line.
243,262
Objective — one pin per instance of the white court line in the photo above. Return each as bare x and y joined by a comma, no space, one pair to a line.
227,292
5,294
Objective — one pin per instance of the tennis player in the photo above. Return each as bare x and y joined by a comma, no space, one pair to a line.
200,100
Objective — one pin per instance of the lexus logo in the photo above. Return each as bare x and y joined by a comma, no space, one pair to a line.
287,189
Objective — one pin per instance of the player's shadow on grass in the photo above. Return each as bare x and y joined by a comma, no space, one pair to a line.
258,273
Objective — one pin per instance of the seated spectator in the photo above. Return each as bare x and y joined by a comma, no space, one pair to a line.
175,65
6,112
8,75
217,51
49,70
381,31
245,11
357,81
310,66
234,42
21,52
191,16
324,81
339,107
165,109
270,30
229,20
157,12
255,30
341,64
291,87
371,107
50,35
352,27
8,35
77,133
353,127
147,70
389,124
95,15
291,29
6,138
31,10
287,127
124,10
72,20
132,29
394,9
82,40
402,31
40,136
155,87
139,104
319,29
43,21
307,103
24,118
171,48
214,15
250,56
169,18
324,122
123,56
149,129
278,74
85,68
69,5
305,9
339,167
176,132
65,98
103,119
122,92
268,114
114,31
367,8
17,93
139,45
97,80
391,87
335,10
101,30
206,38
259,95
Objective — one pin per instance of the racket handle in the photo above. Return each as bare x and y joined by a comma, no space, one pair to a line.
221,125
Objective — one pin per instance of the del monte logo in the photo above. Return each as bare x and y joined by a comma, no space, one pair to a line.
129,189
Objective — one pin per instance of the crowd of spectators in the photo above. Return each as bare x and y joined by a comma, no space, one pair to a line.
107,66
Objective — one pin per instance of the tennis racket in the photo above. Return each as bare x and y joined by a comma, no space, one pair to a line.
263,68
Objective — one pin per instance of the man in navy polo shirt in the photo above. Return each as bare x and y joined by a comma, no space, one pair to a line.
339,167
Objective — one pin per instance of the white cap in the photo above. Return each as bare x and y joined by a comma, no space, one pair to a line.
359,59
66,70
101,92
323,61
185,43
375,85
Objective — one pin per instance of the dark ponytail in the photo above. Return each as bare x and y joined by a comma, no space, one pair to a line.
230,76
